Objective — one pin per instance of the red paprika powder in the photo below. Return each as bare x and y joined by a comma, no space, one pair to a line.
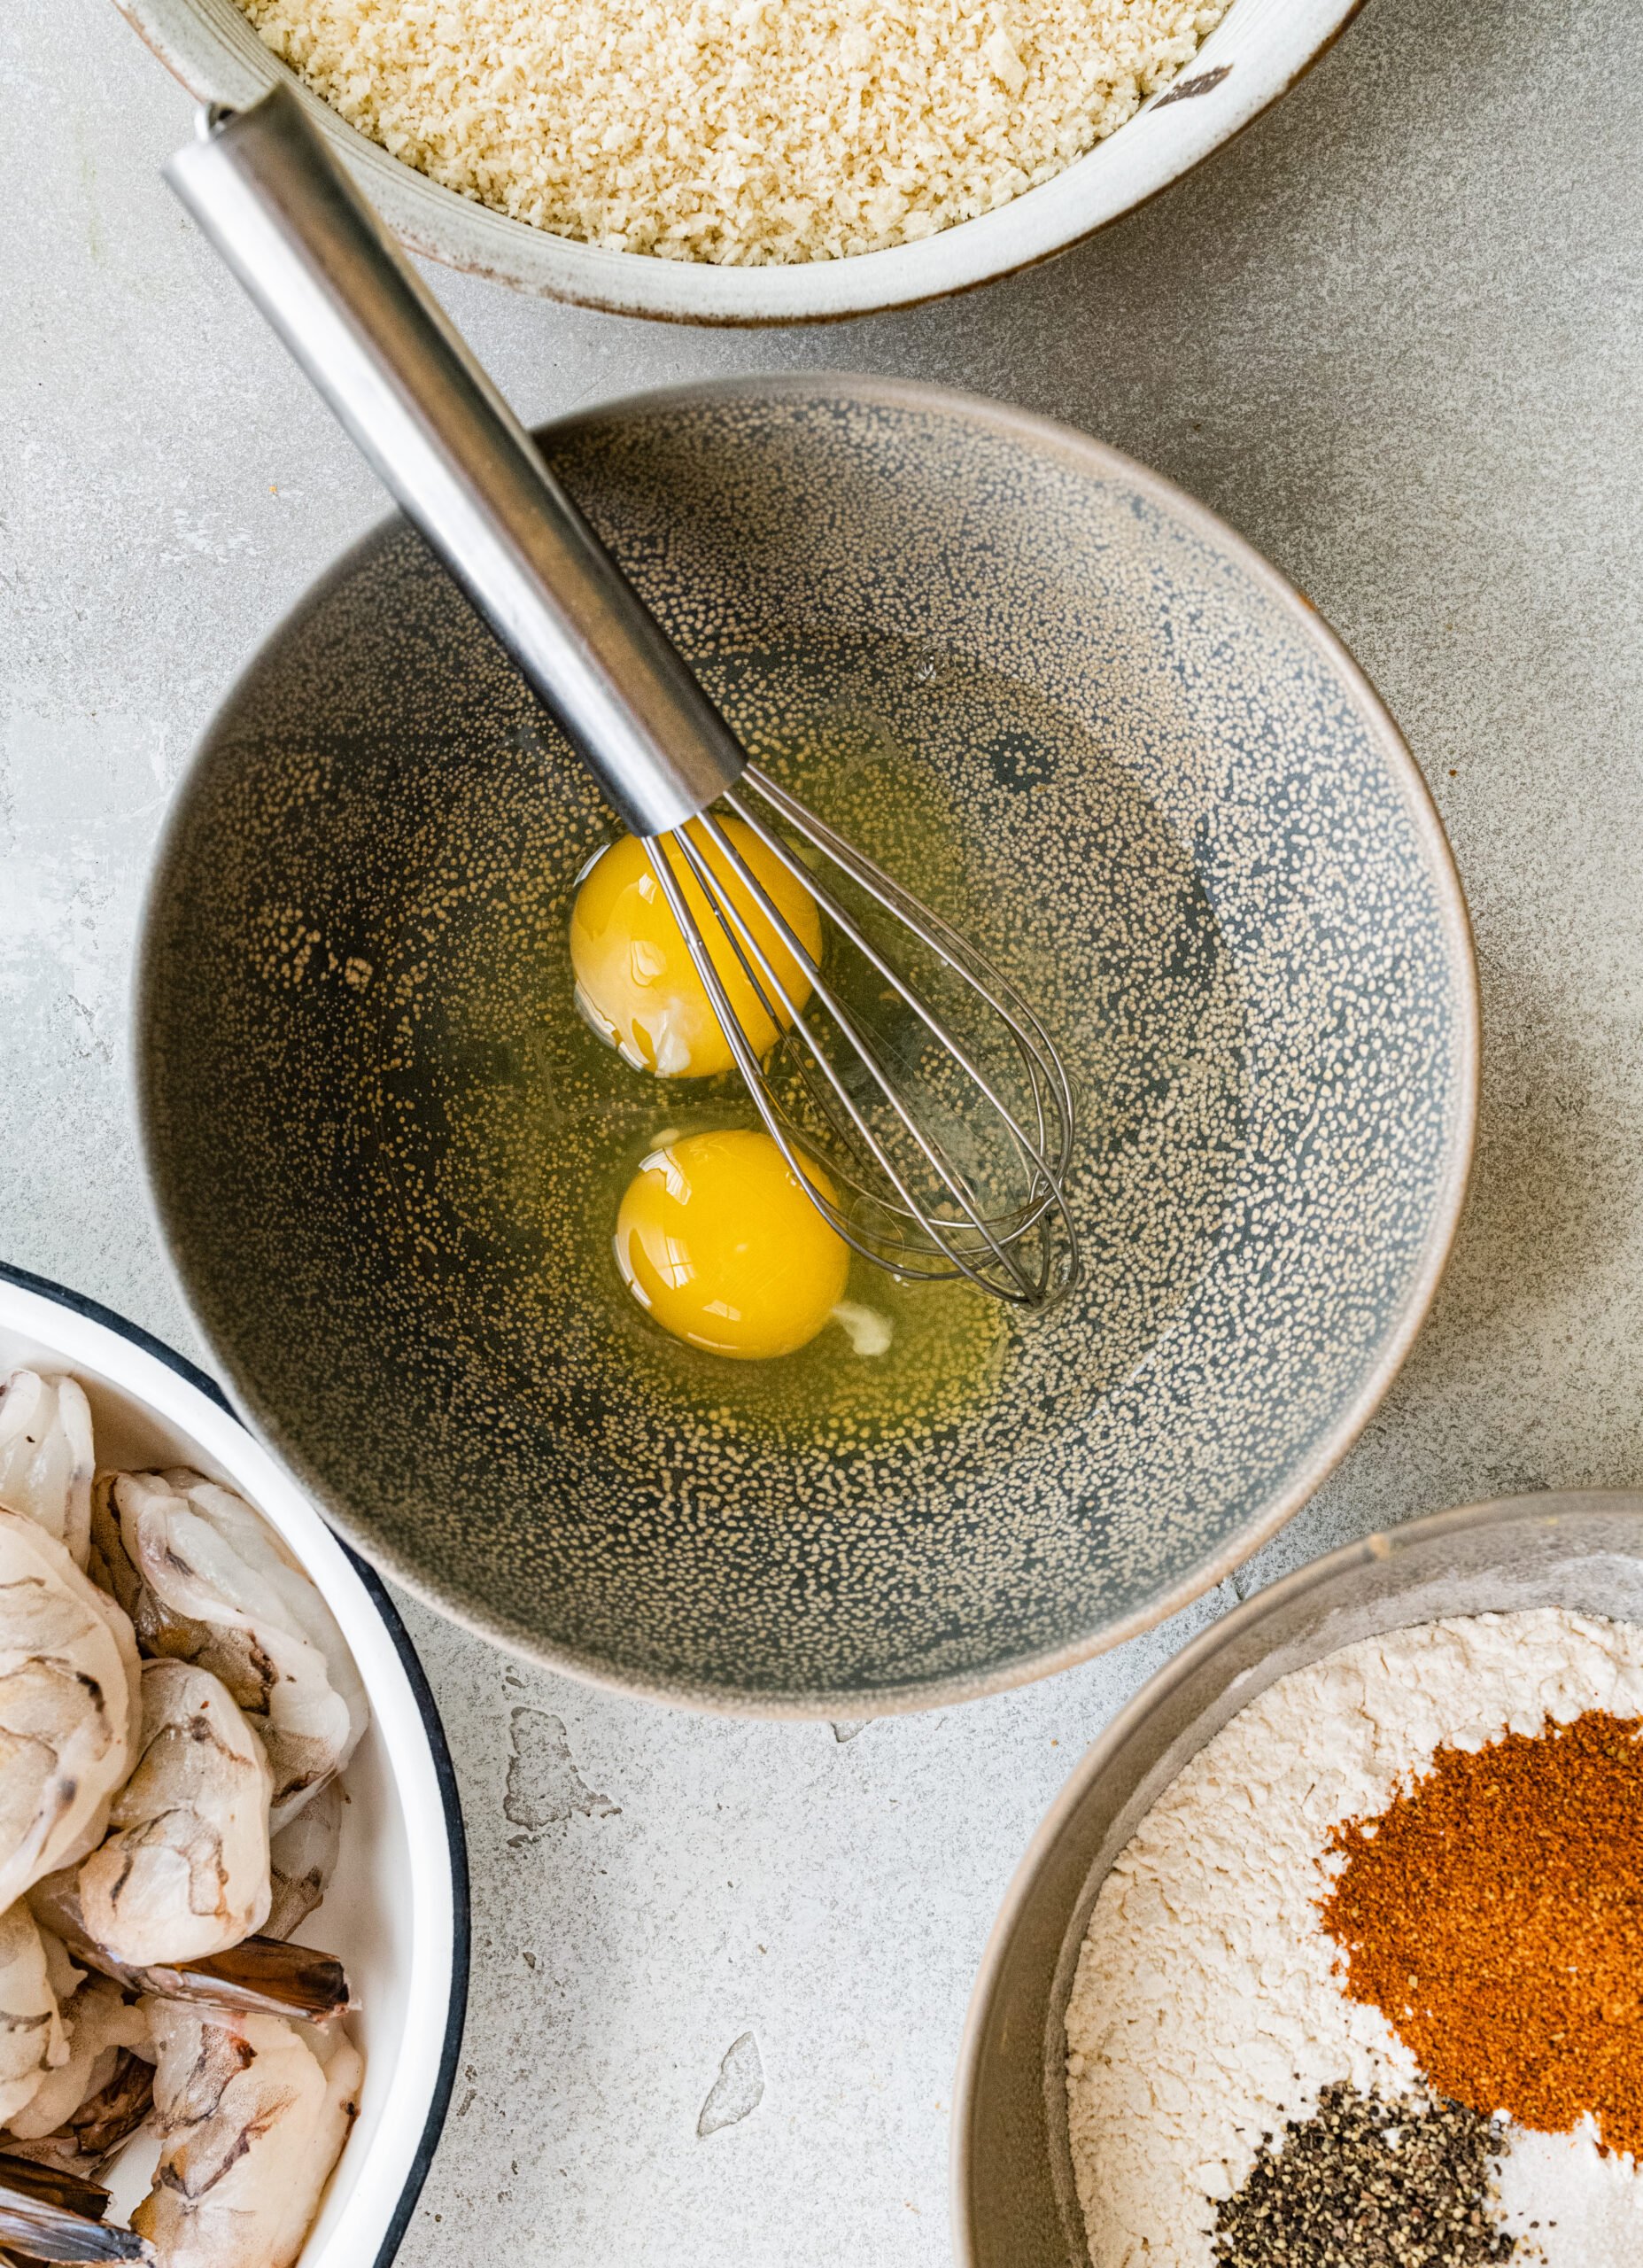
1493,1912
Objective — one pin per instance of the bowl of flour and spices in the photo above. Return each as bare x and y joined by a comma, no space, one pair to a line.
1327,1956
754,160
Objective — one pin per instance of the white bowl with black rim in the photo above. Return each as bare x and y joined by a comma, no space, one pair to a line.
397,1909
1254,56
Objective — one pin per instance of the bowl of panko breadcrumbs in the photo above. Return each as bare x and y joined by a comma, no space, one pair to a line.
754,160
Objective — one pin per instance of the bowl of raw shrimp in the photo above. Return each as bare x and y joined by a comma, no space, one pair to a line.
233,1903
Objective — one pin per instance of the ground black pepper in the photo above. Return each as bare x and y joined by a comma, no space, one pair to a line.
1369,2183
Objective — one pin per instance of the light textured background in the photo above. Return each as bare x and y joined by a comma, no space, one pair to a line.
1394,335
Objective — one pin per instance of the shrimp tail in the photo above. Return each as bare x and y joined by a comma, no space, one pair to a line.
260,1976
48,2215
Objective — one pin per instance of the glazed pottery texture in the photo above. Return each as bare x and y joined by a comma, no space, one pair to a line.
1174,809
1261,48
1014,2202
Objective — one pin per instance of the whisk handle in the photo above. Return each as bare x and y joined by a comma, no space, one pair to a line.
308,248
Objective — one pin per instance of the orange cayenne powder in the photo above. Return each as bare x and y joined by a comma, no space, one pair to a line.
1493,1912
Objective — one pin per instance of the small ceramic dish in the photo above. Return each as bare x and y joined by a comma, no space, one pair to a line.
361,1072
1014,2203
397,1908
1261,48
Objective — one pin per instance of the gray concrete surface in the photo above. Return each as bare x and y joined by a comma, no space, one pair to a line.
1394,335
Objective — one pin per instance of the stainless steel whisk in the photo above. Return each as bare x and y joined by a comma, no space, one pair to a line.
908,1070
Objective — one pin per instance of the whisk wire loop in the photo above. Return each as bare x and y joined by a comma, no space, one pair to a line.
946,944
1026,1253
748,1061
972,1217
957,951
735,923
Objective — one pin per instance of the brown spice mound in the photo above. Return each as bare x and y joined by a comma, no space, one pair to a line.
1493,1913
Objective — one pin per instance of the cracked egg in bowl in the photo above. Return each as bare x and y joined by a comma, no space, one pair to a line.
393,1152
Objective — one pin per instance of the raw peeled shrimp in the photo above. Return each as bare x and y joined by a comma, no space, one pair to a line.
69,1701
184,1869
251,2115
86,2108
301,1860
33,2042
47,1461
135,1822
111,2115
258,1978
206,1580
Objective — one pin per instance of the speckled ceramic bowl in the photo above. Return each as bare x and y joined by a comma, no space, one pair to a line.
1014,2202
1255,54
1216,868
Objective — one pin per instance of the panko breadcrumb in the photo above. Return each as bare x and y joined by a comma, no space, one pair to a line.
742,131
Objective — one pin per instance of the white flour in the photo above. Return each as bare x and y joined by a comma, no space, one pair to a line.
1207,2010
1568,2205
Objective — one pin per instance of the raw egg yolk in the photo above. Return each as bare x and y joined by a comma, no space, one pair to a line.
717,1241
636,982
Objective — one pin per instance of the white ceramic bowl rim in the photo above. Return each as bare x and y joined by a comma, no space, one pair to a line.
57,1301
1252,57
